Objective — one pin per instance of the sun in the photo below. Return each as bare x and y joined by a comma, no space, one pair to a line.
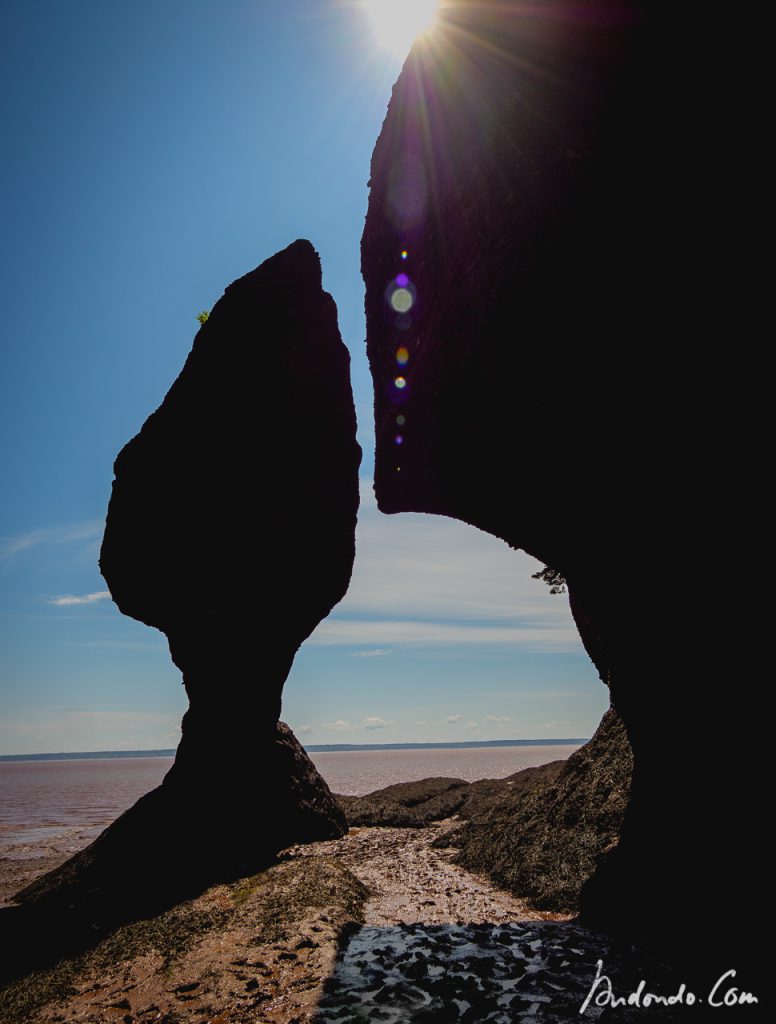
398,23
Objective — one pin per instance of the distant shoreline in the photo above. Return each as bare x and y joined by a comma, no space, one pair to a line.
322,748
313,748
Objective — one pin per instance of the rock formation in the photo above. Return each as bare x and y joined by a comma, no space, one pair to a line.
232,521
231,529
418,804
543,840
542,269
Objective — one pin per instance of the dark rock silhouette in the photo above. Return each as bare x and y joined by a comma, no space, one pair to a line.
542,270
231,529
243,483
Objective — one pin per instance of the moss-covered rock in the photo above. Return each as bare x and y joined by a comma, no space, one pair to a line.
542,837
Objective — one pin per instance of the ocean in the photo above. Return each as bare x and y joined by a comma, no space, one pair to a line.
361,771
49,800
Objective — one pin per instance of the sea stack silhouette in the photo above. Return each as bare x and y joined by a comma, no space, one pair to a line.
231,529
538,256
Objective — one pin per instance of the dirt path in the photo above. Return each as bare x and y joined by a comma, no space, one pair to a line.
413,883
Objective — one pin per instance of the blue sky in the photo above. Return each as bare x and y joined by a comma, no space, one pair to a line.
153,152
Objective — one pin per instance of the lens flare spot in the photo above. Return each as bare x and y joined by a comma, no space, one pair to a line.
400,420
402,280
398,439
400,383
404,254
401,300
402,355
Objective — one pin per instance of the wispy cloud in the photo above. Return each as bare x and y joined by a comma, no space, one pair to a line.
398,632
422,580
433,567
373,722
152,644
89,530
70,599
305,728
454,718
37,730
497,718
472,725
340,725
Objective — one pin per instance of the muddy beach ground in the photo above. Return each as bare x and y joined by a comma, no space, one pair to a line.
376,926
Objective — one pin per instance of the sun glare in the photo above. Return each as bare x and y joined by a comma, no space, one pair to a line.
398,23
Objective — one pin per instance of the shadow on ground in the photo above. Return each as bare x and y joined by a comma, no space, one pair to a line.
478,973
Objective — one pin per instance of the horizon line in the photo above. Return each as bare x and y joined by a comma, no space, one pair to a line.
315,748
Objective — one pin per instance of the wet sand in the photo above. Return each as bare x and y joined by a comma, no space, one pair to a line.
34,851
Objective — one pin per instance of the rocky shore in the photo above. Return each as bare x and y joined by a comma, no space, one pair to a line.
380,925
386,923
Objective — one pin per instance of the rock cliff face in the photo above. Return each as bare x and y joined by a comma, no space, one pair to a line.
541,269
231,529
543,841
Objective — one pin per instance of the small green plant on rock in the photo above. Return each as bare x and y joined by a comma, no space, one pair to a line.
204,316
